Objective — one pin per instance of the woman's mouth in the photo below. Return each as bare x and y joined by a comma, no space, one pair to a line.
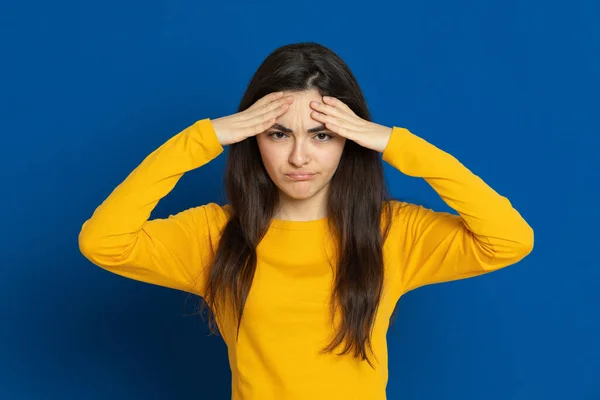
300,177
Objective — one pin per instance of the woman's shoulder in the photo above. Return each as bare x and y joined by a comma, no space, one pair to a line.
399,206
405,214
405,207
212,213
207,221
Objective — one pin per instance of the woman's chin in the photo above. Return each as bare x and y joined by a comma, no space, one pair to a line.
298,196
299,193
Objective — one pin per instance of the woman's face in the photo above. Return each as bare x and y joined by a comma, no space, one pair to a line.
302,149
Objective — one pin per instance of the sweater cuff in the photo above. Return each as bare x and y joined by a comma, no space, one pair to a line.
209,140
392,152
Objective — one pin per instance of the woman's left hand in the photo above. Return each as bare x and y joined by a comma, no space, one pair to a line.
340,119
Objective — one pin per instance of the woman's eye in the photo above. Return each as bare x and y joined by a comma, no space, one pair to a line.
321,137
326,137
273,134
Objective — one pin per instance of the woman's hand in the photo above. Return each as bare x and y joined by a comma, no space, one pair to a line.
340,119
257,118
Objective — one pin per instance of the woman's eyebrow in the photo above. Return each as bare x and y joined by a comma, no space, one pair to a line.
319,128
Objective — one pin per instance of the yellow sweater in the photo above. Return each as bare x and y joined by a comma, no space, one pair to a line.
286,318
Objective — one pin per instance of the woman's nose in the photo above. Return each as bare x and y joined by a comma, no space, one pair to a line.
300,154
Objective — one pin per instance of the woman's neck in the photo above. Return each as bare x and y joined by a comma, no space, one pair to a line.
310,209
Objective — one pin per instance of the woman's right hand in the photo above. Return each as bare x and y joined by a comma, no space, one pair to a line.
257,118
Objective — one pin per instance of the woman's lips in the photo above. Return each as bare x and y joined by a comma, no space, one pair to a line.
300,177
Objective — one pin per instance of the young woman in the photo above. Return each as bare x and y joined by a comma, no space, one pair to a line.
302,269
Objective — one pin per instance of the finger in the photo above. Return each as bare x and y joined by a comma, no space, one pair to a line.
267,109
262,126
332,101
338,113
338,130
329,110
265,100
336,125
264,121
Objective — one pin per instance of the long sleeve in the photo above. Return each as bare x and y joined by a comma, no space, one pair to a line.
434,247
168,252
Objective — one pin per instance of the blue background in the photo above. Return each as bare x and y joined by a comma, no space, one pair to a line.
88,90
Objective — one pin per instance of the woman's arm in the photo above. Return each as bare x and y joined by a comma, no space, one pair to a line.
488,234
169,252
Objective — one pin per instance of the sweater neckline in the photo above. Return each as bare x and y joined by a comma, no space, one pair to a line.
312,225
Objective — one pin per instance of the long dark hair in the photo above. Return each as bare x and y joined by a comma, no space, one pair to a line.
356,200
